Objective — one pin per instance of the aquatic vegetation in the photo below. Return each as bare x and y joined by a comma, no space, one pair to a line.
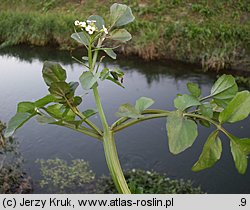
58,176
148,182
224,104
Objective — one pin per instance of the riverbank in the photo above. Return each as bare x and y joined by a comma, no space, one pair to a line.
214,34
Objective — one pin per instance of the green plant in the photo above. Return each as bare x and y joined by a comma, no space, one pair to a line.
148,182
204,10
59,176
48,4
223,105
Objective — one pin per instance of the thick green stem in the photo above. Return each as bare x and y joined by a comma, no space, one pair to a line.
110,150
114,163
100,110
108,138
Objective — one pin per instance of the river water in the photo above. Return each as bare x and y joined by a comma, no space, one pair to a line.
141,146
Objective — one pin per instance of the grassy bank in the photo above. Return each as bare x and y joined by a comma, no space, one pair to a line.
214,33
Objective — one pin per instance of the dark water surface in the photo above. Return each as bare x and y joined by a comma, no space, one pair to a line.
141,146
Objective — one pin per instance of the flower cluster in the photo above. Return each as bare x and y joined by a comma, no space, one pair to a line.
90,26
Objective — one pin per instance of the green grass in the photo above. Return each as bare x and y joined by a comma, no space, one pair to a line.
214,33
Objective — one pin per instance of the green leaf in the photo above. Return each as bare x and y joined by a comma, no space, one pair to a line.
30,107
127,110
118,72
194,89
115,81
185,101
204,123
44,101
104,74
77,100
224,89
114,75
81,37
53,72
120,35
239,155
58,111
223,83
224,98
59,89
89,112
43,119
110,53
55,110
216,115
99,21
73,86
16,122
26,107
211,153
88,80
182,132
237,109
143,103
245,145
206,110
121,14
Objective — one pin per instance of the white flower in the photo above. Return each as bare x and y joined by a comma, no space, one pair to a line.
148,172
105,29
90,29
82,24
133,170
77,23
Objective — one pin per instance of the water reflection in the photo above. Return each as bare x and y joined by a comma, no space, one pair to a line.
153,70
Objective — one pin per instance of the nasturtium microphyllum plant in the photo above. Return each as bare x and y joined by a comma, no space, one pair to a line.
223,105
